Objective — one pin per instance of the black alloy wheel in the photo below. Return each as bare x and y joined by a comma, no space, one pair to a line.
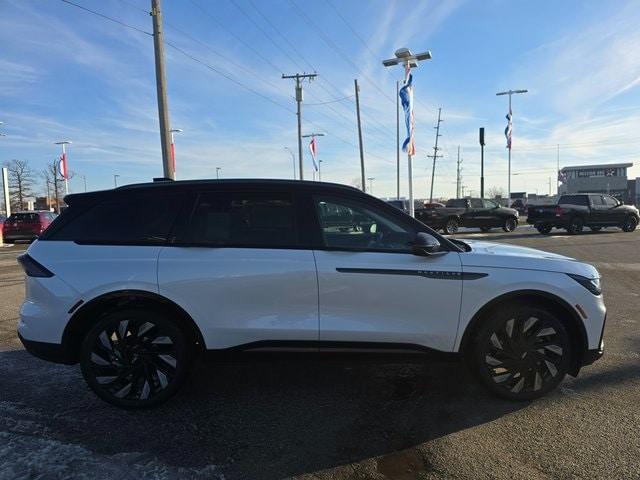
134,358
510,224
575,226
630,224
522,353
451,226
544,229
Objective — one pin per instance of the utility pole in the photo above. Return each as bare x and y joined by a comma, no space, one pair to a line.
459,176
161,88
299,97
435,154
364,184
509,135
397,139
558,172
482,162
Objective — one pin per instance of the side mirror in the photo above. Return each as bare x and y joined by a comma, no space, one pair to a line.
425,245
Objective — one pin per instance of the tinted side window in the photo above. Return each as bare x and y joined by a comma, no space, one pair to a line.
476,203
457,203
349,225
243,220
609,201
131,219
574,200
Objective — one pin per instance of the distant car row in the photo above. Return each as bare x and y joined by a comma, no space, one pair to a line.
26,226
572,213
465,212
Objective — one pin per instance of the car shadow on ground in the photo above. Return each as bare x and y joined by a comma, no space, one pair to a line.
259,419
268,419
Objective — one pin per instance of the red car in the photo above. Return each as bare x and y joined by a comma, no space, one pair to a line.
26,225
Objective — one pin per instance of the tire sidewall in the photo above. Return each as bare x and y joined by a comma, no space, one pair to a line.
509,223
575,226
496,321
183,355
456,226
630,224
544,229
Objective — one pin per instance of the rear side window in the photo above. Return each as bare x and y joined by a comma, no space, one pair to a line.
128,220
457,203
574,200
243,220
24,218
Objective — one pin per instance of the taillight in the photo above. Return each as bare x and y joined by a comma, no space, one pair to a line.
559,212
33,268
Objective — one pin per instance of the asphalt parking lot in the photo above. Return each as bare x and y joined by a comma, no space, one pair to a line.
329,419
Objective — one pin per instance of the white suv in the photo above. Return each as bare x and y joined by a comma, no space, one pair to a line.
135,281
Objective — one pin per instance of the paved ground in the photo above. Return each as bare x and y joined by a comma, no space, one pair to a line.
336,419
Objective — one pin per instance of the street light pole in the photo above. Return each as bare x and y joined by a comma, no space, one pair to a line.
115,180
371,179
510,93
403,56
218,172
312,136
293,159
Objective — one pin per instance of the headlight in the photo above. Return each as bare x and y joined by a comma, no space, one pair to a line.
591,284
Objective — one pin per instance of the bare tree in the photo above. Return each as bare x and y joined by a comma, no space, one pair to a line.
54,184
495,192
21,181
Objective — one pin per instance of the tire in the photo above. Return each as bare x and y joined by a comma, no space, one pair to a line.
452,226
521,353
544,229
630,223
576,224
135,358
595,229
510,224
485,229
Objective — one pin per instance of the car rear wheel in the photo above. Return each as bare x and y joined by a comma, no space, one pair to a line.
575,226
451,226
510,224
521,353
135,358
544,229
630,224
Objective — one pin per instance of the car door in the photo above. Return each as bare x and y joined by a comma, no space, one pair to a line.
613,214
473,215
598,211
372,288
240,268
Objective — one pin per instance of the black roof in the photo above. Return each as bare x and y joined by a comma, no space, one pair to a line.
170,185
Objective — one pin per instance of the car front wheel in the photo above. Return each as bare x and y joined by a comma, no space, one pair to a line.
451,226
521,353
630,224
135,358
544,229
510,224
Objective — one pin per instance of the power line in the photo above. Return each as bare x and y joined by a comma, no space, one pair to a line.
106,17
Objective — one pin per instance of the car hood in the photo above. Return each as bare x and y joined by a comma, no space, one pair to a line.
498,255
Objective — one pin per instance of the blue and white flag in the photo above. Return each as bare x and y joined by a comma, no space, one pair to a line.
406,97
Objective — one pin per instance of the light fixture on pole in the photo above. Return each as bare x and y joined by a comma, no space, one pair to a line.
293,159
406,58
63,167
508,133
115,180
173,148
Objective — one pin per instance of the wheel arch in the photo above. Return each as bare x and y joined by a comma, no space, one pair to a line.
88,314
565,312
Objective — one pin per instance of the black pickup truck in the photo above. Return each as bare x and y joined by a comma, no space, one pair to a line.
469,212
574,212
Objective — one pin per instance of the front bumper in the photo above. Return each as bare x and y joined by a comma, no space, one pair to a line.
590,356
51,352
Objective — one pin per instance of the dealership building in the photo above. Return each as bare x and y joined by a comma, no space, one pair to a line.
609,178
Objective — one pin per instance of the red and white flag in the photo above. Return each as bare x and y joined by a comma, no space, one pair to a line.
63,166
313,148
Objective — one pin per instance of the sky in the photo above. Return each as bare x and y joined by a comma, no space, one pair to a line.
67,74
